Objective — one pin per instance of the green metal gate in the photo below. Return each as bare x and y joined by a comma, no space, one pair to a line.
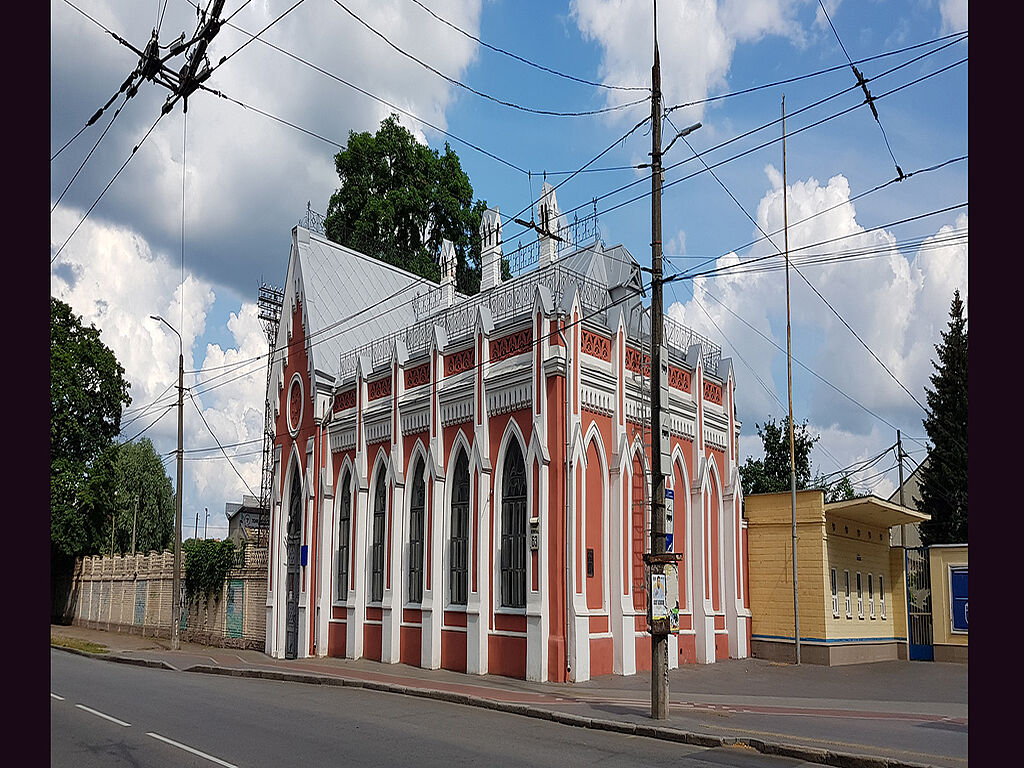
236,600
919,604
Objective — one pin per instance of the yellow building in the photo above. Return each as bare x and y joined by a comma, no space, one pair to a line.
851,595
948,567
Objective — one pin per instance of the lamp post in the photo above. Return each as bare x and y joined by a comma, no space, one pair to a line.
206,525
176,580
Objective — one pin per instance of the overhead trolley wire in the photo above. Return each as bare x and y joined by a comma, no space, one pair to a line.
960,37
863,83
125,163
217,440
527,61
482,94
363,91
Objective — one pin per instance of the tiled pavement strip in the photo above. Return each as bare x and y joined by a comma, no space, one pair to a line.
613,703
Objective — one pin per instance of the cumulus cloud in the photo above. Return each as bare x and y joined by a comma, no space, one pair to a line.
696,41
237,161
896,301
954,15
112,278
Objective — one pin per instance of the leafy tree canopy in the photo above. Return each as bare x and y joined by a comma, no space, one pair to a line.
772,473
399,199
87,394
143,501
943,477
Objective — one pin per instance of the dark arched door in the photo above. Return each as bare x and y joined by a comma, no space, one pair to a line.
292,539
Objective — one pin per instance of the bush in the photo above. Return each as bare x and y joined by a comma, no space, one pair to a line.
207,564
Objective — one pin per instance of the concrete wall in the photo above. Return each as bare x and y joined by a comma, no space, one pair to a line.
133,594
949,645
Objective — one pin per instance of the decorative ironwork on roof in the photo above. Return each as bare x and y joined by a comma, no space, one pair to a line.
508,301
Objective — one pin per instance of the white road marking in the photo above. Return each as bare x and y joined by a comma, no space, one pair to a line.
55,696
187,748
105,717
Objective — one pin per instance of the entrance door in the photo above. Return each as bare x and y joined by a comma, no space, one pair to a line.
919,604
291,630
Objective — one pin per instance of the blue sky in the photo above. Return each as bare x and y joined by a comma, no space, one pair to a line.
248,179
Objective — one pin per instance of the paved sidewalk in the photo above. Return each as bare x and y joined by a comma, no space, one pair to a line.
878,715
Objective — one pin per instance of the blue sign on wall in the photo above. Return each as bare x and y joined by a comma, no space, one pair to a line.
958,595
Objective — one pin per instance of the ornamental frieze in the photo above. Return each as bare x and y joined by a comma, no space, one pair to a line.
678,378
514,344
633,362
344,400
457,362
596,345
417,376
713,392
379,388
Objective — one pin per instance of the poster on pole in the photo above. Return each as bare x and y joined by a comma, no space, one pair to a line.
659,596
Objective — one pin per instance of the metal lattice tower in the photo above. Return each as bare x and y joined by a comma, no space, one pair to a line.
271,299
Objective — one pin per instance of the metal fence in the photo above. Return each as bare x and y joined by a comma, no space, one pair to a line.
507,301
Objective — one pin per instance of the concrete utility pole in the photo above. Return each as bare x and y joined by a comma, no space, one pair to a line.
176,580
789,376
659,389
659,639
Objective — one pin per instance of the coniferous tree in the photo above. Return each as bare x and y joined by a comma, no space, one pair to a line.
943,484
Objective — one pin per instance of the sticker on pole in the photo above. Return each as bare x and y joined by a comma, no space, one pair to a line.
659,596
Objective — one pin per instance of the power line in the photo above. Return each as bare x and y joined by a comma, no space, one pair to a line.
482,94
527,61
960,37
823,211
192,397
383,101
127,160
868,98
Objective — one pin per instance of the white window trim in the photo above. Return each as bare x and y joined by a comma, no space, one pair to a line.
881,595
835,593
860,596
849,611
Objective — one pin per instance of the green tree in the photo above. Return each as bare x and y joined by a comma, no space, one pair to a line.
837,490
398,199
143,501
771,474
943,481
87,395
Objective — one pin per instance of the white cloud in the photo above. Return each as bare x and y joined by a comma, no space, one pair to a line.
954,15
898,303
696,41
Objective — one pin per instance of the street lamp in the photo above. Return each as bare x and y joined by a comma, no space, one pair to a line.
176,580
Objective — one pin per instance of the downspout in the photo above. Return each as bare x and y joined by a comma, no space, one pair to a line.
565,518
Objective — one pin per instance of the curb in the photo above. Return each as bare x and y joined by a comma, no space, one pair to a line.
664,733
117,659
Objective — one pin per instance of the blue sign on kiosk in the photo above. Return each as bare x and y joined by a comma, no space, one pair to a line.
958,597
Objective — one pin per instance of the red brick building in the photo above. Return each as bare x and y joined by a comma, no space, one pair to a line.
462,482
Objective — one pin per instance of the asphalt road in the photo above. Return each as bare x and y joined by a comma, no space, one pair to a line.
104,714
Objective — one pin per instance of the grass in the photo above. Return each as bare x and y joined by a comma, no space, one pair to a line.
77,645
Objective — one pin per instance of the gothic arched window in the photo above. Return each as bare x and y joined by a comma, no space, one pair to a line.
380,504
344,523
419,493
513,529
458,549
